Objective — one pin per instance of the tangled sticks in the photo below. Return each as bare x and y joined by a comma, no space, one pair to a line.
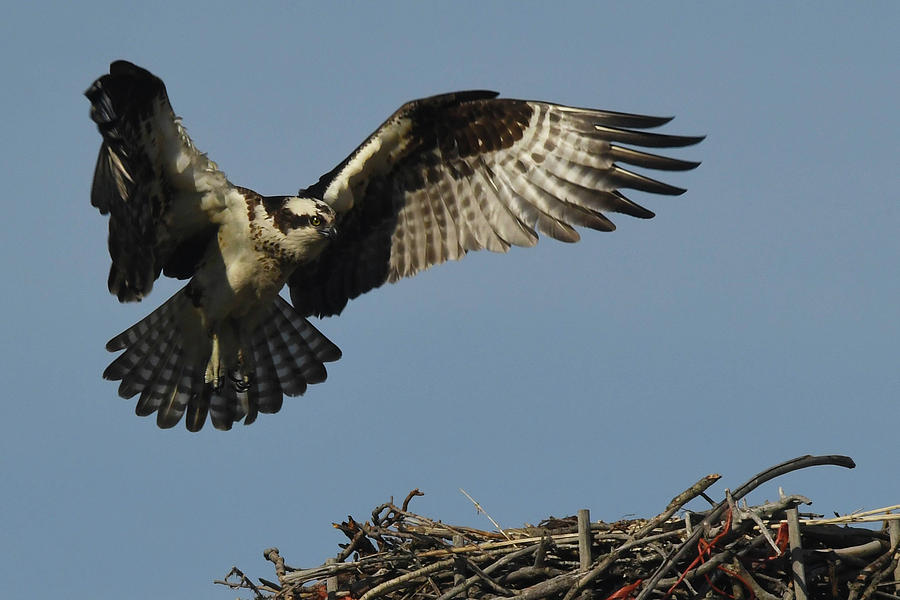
729,551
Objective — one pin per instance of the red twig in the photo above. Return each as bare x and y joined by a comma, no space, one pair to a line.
624,593
782,540
704,548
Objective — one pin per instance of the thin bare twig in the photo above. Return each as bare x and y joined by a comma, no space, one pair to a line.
677,502
481,510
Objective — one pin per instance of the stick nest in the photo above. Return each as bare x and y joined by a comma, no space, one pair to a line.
731,550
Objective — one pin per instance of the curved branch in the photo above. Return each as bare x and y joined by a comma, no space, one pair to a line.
715,514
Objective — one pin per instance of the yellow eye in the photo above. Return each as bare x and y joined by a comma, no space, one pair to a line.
315,220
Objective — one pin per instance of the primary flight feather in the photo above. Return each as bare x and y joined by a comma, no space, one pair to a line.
442,176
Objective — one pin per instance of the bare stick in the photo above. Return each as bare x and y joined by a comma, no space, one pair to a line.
798,570
243,583
459,566
542,551
584,539
397,582
489,580
480,509
409,497
331,584
716,513
358,537
677,502
462,587
271,554
611,558
894,529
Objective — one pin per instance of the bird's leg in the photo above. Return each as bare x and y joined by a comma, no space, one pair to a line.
240,377
213,367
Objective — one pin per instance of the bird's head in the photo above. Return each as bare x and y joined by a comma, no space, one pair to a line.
293,228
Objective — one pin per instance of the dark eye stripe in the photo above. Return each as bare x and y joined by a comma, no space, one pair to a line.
285,220
297,220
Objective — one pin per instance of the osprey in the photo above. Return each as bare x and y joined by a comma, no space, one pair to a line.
442,176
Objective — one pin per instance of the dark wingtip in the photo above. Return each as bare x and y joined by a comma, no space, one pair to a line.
655,121
623,119
693,139
108,372
121,64
125,84
121,67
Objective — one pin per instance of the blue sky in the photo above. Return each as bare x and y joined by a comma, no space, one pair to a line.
753,320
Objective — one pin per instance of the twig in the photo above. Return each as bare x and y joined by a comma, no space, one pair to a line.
881,513
546,540
459,565
415,492
715,514
584,539
462,587
798,569
244,582
358,537
608,560
331,584
272,555
481,510
572,559
872,575
488,580
677,502
395,583
894,529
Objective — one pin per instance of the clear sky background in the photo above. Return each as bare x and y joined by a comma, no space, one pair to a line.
755,319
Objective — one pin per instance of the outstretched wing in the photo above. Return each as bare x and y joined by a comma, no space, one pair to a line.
466,171
161,193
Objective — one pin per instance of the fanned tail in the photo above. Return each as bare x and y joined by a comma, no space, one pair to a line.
167,367
288,354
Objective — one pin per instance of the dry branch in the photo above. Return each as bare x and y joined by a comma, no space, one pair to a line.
731,550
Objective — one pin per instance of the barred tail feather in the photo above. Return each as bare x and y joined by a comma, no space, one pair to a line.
142,381
292,350
173,397
228,405
265,395
281,356
282,352
137,367
151,397
198,403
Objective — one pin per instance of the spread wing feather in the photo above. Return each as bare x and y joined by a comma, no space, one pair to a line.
161,193
469,171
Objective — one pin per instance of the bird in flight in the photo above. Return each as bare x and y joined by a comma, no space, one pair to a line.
442,176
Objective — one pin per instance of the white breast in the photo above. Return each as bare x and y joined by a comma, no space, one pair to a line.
237,276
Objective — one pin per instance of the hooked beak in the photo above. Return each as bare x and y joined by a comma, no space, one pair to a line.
329,232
